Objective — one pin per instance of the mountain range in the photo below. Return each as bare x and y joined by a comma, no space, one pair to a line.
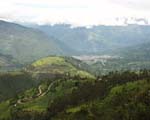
31,42
25,44
102,80
98,39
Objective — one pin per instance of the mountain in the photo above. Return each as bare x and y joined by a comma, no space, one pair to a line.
26,44
6,61
63,39
138,53
98,39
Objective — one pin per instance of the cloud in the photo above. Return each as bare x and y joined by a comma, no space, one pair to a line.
133,4
77,12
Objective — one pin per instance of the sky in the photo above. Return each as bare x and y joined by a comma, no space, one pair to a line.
76,12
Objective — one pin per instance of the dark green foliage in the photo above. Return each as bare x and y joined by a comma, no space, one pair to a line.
125,102
26,115
14,82
115,96
125,105
80,95
120,64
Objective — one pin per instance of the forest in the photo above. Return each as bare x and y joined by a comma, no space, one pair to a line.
117,95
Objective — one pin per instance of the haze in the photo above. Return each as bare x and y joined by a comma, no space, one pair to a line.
76,12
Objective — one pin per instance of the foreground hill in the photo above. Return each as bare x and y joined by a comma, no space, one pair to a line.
115,96
124,102
25,44
46,69
40,83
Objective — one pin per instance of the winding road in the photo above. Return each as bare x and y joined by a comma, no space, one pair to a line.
40,94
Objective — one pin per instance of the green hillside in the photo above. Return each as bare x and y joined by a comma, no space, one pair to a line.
107,77
12,83
118,64
31,100
116,96
26,44
124,102
5,110
55,66
46,69
112,97
38,97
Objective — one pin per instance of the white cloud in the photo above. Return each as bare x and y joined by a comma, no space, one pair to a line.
78,12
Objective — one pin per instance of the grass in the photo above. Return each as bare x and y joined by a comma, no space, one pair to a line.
4,110
58,65
59,90
51,65
50,61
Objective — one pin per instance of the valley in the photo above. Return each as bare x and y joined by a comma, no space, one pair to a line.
61,72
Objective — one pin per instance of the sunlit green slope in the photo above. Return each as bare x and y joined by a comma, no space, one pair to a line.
56,66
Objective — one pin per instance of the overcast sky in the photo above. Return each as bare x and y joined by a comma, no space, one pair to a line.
77,12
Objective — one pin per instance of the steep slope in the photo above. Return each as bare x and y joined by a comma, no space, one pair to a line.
25,44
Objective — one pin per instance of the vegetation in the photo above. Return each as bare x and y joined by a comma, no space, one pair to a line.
33,94
26,44
55,66
5,110
110,99
14,82
124,102
36,87
101,39
119,64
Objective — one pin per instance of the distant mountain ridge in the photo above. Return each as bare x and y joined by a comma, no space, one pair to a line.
98,39
26,44
7,63
139,52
